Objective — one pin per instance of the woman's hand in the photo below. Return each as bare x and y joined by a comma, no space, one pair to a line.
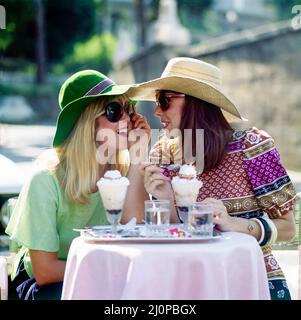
156,183
221,218
138,138
140,125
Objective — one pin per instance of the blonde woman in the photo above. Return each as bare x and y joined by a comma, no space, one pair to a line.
64,196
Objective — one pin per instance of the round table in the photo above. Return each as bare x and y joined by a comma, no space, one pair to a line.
231,267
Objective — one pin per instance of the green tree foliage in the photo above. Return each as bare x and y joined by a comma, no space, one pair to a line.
95,53
19,27
66,22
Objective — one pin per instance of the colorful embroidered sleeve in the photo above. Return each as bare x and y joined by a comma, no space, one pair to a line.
273,188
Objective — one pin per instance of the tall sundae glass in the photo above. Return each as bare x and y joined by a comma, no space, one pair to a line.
112,188
186,188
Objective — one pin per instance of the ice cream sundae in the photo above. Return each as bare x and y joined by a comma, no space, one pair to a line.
112,188
186,189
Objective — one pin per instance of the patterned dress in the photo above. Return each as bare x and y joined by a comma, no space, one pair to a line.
251,182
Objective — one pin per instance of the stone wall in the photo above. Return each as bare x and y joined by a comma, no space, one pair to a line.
261,74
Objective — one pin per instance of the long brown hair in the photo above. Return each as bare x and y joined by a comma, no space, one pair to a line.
199,114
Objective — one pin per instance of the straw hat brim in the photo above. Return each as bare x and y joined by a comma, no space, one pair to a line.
146,91
72,111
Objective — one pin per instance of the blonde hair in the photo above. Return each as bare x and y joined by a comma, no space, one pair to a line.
77,168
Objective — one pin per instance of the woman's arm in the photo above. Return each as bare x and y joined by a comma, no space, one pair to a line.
260,156
136,194
286,227
46,267
285,224
135,197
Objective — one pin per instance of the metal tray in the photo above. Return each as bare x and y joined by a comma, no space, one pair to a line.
98,235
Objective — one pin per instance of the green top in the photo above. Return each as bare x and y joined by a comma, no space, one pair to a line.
43,219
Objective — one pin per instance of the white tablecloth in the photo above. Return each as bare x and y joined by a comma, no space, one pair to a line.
228,268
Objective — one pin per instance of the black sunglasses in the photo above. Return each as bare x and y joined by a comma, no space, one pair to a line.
114,111
163,98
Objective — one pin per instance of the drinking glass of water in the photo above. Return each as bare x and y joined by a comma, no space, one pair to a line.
157,215
200,219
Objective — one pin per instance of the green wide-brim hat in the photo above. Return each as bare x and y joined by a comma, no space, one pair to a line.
76,93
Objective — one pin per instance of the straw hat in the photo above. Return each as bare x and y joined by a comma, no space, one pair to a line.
192,77
76,93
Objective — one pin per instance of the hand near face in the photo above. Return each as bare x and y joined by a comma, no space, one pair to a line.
139,122
139,134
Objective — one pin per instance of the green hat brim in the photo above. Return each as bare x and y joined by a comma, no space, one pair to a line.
72,111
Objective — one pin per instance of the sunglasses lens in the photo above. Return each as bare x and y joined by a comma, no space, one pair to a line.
163,102
114,111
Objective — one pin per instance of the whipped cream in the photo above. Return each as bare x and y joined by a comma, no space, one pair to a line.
187,171
112,174
113,177
186,186
112,188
